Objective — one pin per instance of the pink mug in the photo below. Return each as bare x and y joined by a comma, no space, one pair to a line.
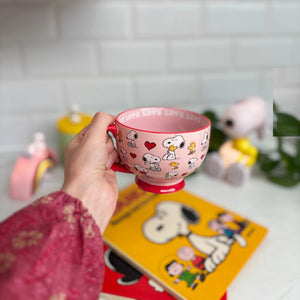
160,145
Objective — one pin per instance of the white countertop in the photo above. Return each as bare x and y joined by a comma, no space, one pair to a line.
273,271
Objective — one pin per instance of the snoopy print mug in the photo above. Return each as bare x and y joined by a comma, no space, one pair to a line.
160,145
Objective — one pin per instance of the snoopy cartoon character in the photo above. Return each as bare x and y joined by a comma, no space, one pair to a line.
172,144
124,152
172,220
141,170
204,142
132,136
191,163
236,156
152,161
170,175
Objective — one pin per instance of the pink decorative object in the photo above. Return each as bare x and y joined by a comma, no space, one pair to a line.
160,145
235,158
30,168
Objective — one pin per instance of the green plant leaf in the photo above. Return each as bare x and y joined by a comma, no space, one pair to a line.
275,108
297,161
212,116
287,125
267,164
217,138
286,180
289,162
298,145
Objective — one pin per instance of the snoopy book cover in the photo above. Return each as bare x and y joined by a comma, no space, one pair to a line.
190,247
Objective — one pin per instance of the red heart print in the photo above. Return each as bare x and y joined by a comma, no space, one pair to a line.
202,156
149,145
133,155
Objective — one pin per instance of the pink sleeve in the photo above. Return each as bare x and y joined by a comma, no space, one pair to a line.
51,249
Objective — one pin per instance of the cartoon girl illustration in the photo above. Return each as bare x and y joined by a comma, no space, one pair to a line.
221,227
176,269
187,253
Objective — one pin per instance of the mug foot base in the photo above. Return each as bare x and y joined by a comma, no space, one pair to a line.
159,189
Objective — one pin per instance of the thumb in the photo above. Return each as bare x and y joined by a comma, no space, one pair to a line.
97,130
111,159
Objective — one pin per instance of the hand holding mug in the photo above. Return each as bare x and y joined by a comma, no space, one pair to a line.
160,145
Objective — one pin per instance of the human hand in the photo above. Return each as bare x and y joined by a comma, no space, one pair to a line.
88,177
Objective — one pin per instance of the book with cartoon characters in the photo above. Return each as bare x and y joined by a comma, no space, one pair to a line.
190,247
122,279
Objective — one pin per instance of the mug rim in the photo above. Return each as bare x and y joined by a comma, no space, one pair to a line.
163,132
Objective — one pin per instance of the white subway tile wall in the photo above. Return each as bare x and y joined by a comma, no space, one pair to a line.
296,52
200,55
173,19
103,93
35,96
175,90
112,55
264,52
230,17
132,57
225,87
10,62
23,23
93,19
286,90
280,13
60,59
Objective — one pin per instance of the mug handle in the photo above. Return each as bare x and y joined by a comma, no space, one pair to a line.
117,166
